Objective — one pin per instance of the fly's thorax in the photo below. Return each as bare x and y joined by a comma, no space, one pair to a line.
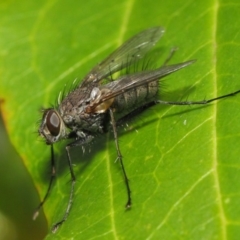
135,98
80,120
52,127
75,114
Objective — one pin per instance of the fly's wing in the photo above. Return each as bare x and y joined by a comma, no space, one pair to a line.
128,82
131,51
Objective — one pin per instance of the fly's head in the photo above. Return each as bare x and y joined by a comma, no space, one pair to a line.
52,127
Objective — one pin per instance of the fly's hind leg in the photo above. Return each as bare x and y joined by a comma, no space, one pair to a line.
172,52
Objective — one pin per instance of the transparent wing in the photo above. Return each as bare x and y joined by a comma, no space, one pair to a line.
131,51
128,82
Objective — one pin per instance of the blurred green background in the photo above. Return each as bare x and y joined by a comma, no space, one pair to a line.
16,207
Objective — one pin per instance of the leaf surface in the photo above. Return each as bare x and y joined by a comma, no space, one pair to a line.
182,162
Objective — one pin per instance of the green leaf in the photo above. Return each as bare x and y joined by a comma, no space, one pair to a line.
182,162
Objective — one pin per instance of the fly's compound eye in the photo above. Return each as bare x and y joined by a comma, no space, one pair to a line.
53,123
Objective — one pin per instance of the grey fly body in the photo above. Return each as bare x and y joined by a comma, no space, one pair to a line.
92,105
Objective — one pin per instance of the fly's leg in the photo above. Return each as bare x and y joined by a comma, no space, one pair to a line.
172,52
53,175
119,157
79,142
70,200
198,102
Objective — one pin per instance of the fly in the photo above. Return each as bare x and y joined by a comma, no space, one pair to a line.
99,103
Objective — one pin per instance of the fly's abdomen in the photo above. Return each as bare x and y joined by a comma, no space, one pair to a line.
135,98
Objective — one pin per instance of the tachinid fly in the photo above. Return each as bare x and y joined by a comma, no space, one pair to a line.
100,101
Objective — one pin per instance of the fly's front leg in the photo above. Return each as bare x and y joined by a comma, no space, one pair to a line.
129,201
53,175
86,139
